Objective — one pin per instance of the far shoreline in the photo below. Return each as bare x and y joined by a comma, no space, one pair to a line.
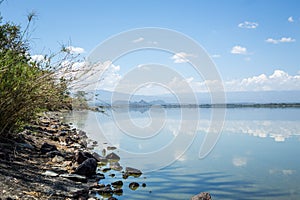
134,106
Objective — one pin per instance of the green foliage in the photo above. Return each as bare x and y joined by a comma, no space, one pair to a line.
26,87
79,101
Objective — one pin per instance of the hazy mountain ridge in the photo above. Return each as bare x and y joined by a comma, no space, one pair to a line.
264,97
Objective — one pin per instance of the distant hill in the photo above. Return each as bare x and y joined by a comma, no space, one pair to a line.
204,98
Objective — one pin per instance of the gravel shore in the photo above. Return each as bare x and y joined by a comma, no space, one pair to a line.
51,160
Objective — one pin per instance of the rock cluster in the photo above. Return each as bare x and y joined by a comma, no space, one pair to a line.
202,196
58,160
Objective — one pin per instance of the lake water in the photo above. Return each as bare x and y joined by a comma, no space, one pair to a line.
255,157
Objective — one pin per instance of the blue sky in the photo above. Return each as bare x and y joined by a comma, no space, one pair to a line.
254,44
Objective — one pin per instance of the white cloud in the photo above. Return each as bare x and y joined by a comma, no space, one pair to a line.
282,171
279,80
281,40
288,171
239,161
249,25
37,58
215,56
181,57
271,40
75,50
289,39
290,19
238,50
110,78
140,39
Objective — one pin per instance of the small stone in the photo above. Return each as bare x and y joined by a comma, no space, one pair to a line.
97,186
80,193
100,176
117,184
50,173
25,145
116,166
83,143
76,145
118,191
59,170
111,148
74,177
202,196
99,158
63,133
44,122
105,190
81,133
52,154
45,148
57,159
134,185
132,172
113,156
106,169
112,175
144,185
104,152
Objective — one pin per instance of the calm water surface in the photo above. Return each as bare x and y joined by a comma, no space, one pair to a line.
256,156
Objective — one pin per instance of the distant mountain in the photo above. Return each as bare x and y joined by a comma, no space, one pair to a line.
104,97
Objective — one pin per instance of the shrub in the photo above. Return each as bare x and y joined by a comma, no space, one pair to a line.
26,86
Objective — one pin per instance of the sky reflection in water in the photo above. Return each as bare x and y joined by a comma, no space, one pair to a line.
256,157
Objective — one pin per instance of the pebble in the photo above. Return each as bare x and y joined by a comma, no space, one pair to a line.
50,173
57,159
134,185
74,177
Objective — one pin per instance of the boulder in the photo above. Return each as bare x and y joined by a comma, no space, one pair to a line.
202,196
87,168
80,156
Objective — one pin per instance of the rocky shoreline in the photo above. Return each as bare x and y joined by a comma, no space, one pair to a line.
52,160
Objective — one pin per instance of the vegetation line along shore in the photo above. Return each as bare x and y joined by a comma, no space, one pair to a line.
40,156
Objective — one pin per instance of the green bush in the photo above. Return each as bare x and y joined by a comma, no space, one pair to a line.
26,87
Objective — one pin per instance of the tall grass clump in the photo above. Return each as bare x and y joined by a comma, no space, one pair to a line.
26,86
